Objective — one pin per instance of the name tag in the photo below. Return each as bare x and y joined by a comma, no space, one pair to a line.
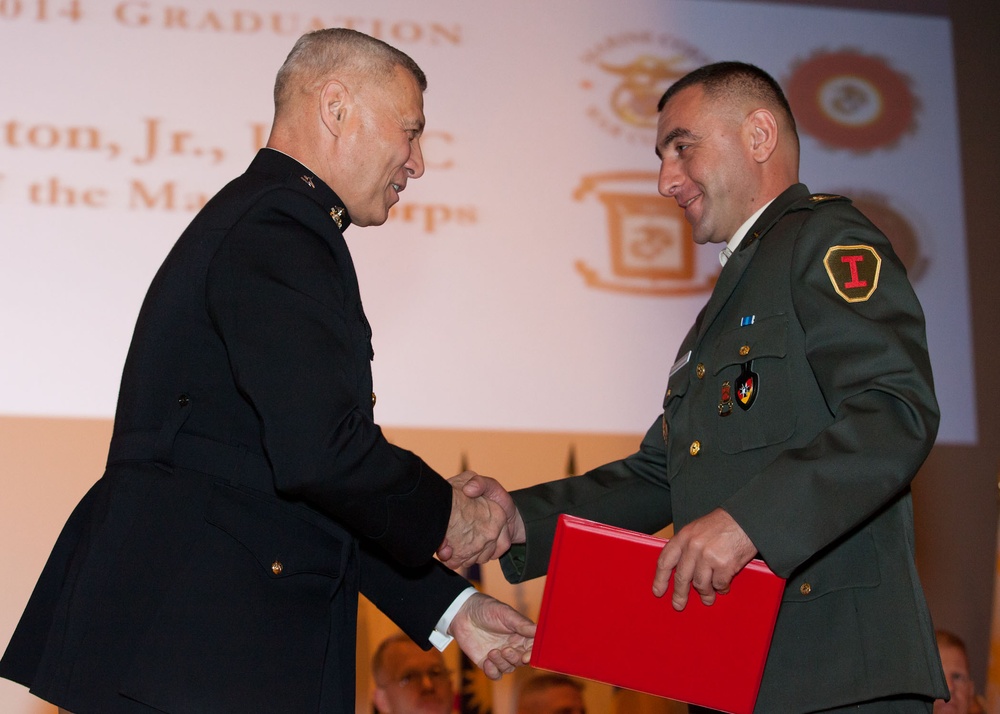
681,361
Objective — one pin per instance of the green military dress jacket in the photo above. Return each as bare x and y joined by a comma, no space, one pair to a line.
802,403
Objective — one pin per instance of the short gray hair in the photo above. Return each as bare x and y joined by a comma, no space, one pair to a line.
316,55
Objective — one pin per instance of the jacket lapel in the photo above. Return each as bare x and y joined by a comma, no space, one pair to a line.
737,264
729,278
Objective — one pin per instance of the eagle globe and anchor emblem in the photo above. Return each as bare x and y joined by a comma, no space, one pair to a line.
651,249
641,84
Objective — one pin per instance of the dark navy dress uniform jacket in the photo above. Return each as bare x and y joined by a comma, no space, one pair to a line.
249,494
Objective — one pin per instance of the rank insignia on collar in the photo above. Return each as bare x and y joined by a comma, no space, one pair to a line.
726,400
747,386
308,181
337,214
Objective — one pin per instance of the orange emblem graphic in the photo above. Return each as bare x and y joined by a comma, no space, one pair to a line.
851,101
628,73
651,248
643,82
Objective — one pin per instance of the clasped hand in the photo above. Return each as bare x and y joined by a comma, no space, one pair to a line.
484,521
477,529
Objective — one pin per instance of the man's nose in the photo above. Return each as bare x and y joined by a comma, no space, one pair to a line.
669,179
415,164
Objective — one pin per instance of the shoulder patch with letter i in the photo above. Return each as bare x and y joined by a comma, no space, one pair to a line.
853,270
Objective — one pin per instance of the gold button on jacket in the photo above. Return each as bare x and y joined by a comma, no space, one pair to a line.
695,447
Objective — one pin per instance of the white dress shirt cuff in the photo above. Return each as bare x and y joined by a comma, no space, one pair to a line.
440,637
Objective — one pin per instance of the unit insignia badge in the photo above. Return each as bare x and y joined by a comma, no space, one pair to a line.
747,386
853,271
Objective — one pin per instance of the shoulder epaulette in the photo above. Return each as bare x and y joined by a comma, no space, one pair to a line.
815,200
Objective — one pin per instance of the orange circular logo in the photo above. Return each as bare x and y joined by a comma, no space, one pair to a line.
851,101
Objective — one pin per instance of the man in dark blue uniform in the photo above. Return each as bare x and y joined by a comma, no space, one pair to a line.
249,493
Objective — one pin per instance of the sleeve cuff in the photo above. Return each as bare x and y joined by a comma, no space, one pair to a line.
439,636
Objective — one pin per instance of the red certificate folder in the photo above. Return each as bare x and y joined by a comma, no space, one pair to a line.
600,620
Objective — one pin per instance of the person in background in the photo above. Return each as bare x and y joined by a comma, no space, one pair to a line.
551,694
410,680
955,660
249,493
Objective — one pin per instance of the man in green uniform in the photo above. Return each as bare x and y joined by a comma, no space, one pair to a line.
797,412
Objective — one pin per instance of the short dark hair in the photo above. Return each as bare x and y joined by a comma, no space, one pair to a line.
734,80
317,54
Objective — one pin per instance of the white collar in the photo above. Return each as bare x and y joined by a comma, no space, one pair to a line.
737,238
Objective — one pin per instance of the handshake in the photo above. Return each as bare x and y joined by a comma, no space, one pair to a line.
701,559
484,522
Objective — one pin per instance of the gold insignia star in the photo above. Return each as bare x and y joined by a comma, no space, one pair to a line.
337,214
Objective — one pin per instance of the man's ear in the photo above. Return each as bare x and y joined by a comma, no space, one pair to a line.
334,105
763,130
379,699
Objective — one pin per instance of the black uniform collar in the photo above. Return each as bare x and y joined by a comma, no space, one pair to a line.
298,177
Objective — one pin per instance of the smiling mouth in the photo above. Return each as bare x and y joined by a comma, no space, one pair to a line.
396,187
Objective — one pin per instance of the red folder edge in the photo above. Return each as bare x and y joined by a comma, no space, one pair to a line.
600,620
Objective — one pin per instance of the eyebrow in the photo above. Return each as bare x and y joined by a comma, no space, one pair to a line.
678,133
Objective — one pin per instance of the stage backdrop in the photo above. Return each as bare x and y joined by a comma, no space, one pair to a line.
532,281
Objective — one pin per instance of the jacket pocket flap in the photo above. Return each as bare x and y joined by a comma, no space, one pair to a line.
851,564
766,338
279,540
